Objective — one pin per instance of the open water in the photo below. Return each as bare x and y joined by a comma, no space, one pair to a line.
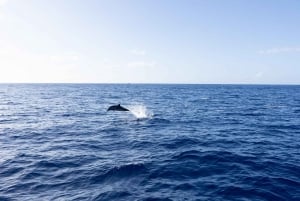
181,142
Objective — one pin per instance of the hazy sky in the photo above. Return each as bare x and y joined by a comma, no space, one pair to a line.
150,41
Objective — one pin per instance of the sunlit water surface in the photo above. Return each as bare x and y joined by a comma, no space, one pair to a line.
179,142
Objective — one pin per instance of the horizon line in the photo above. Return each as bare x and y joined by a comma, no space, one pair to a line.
153,83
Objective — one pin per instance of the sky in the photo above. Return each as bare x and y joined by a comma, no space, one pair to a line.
150,41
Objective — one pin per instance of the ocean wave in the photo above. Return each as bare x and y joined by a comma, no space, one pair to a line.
201,143
119,172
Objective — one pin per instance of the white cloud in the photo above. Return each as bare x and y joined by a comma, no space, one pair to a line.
3,2
259,74
18,65
67,57
280,50
1,16
138,52
141,64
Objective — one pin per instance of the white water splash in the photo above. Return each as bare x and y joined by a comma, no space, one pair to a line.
140,111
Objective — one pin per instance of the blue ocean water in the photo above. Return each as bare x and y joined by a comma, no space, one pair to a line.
182,142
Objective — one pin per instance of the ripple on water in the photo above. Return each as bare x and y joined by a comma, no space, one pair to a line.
197,142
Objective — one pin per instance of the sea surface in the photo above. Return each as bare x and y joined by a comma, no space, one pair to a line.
179,142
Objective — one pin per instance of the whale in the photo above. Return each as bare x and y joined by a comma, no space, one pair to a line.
117,108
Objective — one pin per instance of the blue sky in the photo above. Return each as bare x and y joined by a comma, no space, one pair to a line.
150,41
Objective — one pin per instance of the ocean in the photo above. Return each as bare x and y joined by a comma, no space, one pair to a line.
179,142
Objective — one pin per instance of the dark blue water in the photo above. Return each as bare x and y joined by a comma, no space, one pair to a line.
197,142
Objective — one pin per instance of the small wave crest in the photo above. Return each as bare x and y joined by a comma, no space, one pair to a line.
119,172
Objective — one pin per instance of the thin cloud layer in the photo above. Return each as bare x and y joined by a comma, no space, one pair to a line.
138,52
141,64
3,2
